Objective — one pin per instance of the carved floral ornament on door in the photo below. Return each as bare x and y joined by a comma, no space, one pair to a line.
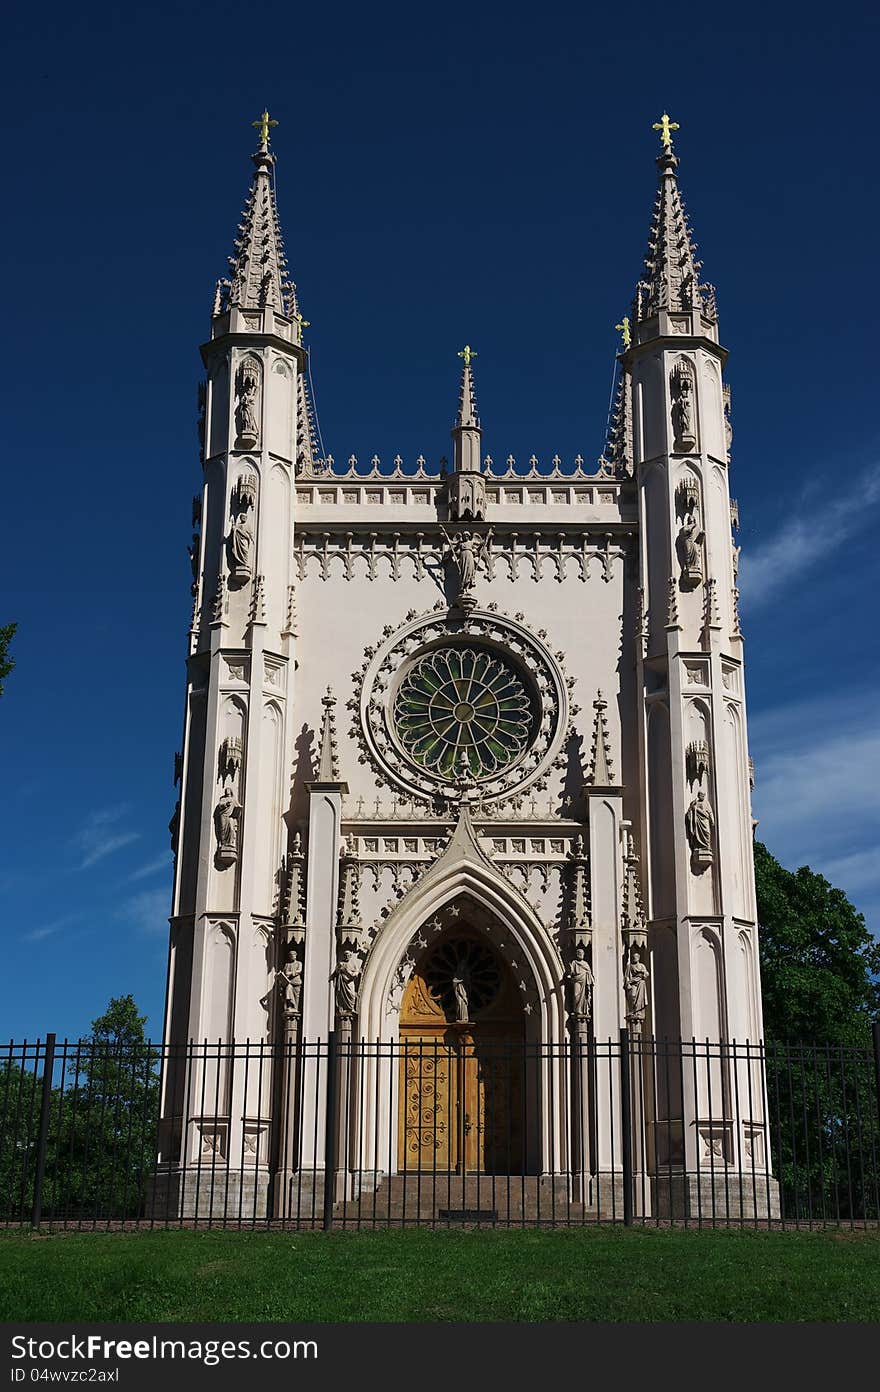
480,700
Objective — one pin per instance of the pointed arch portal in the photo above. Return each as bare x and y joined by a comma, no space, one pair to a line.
462,1066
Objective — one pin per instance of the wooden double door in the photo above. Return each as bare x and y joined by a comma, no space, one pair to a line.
461,1083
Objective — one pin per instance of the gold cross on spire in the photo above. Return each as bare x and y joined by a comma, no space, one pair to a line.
624,330
665,127
263,126
467,353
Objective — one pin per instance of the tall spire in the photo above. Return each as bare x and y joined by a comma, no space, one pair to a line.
258,275
671,275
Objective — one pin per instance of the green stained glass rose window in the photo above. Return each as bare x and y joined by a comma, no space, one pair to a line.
457,704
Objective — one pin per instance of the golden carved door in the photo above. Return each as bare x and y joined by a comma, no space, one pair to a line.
461,1078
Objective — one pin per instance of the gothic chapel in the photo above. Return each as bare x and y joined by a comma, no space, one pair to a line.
464,770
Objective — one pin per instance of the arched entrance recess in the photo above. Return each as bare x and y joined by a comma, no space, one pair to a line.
463,879
462,1086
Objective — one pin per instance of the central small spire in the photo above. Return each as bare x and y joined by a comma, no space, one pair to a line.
467,490
467,418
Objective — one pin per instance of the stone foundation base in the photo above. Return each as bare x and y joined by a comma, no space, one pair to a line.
719,1198
234,1195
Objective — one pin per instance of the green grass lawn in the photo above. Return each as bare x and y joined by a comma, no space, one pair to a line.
589,1274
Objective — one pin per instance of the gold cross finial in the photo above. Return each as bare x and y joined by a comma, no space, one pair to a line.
467,353
263,126
665,127
624,330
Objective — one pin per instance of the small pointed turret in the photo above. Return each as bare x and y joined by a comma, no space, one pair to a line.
617,456
601,770
308,452
671,275
258,277
328,761
467,488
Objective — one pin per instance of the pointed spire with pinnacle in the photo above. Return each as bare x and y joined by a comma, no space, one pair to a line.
617,456
671,275
328,762
258,275
601,770
308,451
466,431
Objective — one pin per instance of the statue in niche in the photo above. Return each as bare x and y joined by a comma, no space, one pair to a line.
459,990
581,979
227,815
290,979
246,407
241,540
699,821
683,409
687,545
344,976
465,551
635,986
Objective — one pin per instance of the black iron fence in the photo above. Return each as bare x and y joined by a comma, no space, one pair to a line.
439,1130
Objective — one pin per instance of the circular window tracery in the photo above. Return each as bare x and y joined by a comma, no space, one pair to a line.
463,976
462,709
389,744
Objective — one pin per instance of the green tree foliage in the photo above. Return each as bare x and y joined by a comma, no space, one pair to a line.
102,1123
819,967
819,963
7,632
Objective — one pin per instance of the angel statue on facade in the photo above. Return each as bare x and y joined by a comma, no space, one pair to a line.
465,550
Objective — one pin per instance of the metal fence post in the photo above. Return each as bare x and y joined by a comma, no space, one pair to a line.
626,1137
625,1114
875,1036
43,1133
330,1131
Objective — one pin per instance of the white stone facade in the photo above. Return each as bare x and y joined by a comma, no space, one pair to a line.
607,808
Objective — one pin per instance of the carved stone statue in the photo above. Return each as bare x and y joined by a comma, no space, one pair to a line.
345,975
465,551
289,979
683,412
241,540
581,979
635,986
246,409
227,814
687,545
459,987
698,823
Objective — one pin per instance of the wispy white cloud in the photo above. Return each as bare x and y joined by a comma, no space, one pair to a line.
47,930
812,530
146,911
817,793
100,835
153,867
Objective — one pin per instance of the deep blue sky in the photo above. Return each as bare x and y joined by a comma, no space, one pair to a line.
446,173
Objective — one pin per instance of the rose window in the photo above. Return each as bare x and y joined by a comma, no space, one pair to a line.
463,710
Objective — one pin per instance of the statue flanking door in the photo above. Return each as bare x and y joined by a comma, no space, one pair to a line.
463,1061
